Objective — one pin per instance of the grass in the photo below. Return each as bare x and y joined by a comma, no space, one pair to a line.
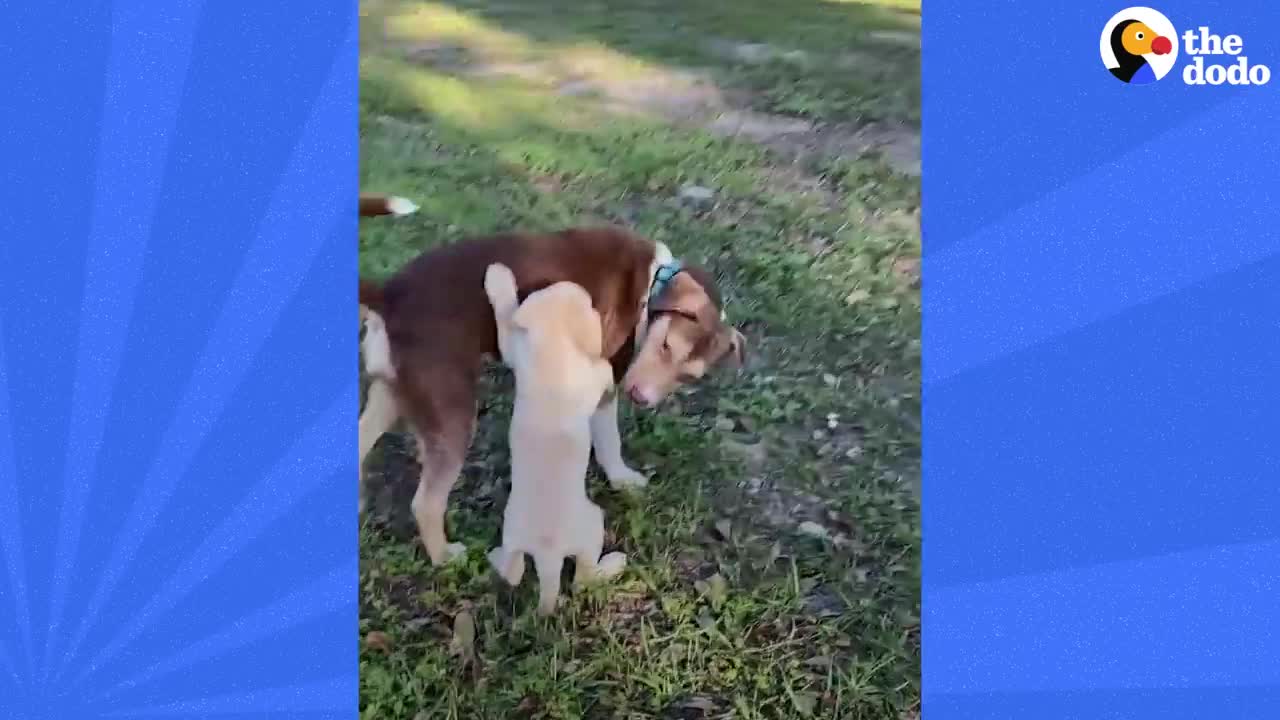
530,115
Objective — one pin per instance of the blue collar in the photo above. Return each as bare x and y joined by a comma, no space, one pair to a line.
663,276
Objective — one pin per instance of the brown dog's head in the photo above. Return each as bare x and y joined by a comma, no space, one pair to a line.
686,336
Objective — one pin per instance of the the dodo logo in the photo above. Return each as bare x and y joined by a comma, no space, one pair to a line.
1139,45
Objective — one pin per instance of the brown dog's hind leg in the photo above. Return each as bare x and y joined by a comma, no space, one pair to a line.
442,411
380,413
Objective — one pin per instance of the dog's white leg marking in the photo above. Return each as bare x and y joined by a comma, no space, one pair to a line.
375,348
380,411
379,415
439,473
607,442
548,567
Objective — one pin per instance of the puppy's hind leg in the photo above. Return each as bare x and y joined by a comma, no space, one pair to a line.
590,567
509,564
548,566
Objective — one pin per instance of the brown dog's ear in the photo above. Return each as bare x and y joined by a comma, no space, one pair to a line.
683,295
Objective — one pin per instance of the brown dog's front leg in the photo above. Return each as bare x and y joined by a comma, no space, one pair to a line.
606,441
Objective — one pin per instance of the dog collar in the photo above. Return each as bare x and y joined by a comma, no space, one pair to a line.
663,276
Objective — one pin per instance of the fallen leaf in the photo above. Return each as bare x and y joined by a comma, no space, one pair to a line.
724,528
856,297
818,661
805,702
715,589
464,636
775,552
377,640
705,620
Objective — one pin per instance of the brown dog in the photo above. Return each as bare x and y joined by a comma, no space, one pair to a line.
430,327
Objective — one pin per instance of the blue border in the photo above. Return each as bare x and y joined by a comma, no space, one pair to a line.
1102,372
177,362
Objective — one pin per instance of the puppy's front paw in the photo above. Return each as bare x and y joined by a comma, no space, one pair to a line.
624,478
611,565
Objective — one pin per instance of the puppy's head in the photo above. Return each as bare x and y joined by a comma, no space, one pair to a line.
686,337
563,308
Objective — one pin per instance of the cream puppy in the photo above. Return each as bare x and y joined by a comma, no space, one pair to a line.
552,341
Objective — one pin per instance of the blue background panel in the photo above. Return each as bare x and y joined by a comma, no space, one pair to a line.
1102,372
177,359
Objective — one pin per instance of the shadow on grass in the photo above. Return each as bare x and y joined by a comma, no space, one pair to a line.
843,61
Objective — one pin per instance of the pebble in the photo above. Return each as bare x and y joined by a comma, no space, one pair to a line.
812,529
696,193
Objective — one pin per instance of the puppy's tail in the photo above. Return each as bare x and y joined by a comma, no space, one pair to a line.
500,286
372,205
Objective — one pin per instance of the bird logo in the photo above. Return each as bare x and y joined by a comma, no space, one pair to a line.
1139,45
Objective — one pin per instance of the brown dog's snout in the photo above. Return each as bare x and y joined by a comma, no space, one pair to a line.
639,396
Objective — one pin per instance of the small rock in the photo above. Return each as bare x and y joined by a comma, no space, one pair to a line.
829,379
698,702
753,52
724,424
753,454
696,193
812,529
798,57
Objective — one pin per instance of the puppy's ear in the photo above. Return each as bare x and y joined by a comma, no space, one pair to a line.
525,316
583,323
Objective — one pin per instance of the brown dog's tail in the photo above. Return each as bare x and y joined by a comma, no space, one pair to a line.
371,205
